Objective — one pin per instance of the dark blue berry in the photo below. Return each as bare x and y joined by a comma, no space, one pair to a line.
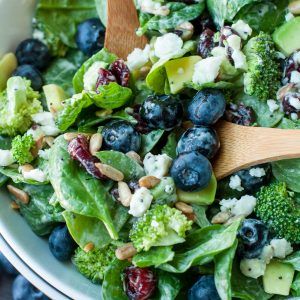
201,139
121,136
6,266
61,244
191,171
33,52
254,235
31,73
90,36
204,289
207,107
161,112
22,289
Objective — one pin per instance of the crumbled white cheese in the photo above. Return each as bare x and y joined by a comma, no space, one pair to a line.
295,77
253,268
273,106
167,45
36,132
207,70
235,183
294,116
219,51
35,174
244,206
234,42
281,247
239,59
227,204
295,102
289,16
140,202
6,158
138,58
296,57
45,154
257,172
91,75
267,254
46,120
242,28
157,165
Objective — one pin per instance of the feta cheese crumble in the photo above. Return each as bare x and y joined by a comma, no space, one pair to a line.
140,202
138,58
35,174
167,45
295,77
91,75
6,158
242,28
295,102
257,172
239,59
273,106
282,247
235,183
242,207
46,120
157,165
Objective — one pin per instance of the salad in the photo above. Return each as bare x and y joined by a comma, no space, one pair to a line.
110,159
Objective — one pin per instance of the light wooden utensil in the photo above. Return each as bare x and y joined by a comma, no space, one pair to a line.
241,146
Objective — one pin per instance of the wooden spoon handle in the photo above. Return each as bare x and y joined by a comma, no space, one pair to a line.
243,147
122,23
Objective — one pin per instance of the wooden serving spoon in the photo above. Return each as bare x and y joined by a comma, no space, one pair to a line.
241,146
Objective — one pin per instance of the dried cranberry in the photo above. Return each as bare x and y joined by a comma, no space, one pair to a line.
240,114
139,283
206,43
105,77
288,108
121,72
78,148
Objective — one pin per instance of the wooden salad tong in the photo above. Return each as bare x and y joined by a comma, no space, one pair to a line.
241,146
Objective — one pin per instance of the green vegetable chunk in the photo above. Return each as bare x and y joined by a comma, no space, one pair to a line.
164,192
21,149
94,263
277,209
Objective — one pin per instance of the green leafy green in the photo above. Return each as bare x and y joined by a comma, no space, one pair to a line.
78,191
38,213
103,56
154,257
179,13
289,124
223,266
128,166
296,286
112,286
170,147
58,19
101,6
202,246
294,260
149,140
201,219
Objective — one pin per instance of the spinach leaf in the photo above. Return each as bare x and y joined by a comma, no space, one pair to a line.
202,246
265,16
265,118
201,219
168,286
154,257
225,10
111,96
78,191
289,124
112,286
179,13
102,55
85,229
149,140
294,260
62,70
288,171
223,266
38,213
101,6
61,17
170,147
296,286
128,166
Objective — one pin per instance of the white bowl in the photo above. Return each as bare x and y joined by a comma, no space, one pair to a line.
30,251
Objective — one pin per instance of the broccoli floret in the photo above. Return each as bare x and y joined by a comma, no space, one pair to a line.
160,226
21,147
94,263
262,79
17,104
277,209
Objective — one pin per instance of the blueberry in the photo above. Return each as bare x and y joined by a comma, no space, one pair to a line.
207,107
61,243
22,289
252,184
33,52
254,235
204,289
191,171
90,36
161,112
121,136
201,139
6,266
31,73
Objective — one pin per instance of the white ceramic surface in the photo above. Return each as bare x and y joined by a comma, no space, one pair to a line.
15,25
